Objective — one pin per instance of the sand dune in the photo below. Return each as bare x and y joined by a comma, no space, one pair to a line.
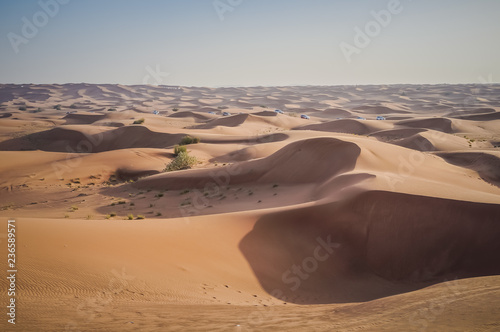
378,110
82,118
348,126
485,164
376,243
481,117
188,114
296,163
373,222
439,124
77,139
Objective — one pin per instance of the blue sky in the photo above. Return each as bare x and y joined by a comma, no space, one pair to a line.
257,42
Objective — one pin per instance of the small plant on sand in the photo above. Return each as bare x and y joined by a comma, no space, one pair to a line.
130,217
66,216
7,207
139,217
175,109
182,161
111,109
74,207
186,202
73,106
178,149
22,108
158,214
112,214
107,216
140,121
186,140
57,107
89,217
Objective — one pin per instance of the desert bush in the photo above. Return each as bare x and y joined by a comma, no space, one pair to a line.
57,107
130,217
22,108
178,149
186,140
140,217
111,109
175,109
140,121
73,106
182,161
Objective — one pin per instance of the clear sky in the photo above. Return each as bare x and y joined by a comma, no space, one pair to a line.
249,42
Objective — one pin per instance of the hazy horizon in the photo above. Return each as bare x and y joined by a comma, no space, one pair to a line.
244,43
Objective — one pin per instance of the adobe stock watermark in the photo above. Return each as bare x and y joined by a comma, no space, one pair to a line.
472,100
31,28
91,307
293,278
220,178
407,166
421,318
156,74
372,29
224,6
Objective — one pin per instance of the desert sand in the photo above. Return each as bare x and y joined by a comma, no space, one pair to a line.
339,222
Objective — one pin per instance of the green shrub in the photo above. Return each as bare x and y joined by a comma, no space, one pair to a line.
178,149
57,107
22,108
111,109
140,121
130,217
112,214
186,140
182,161
175,109
73,106
140,217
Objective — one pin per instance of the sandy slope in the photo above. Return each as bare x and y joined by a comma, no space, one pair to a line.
284,224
